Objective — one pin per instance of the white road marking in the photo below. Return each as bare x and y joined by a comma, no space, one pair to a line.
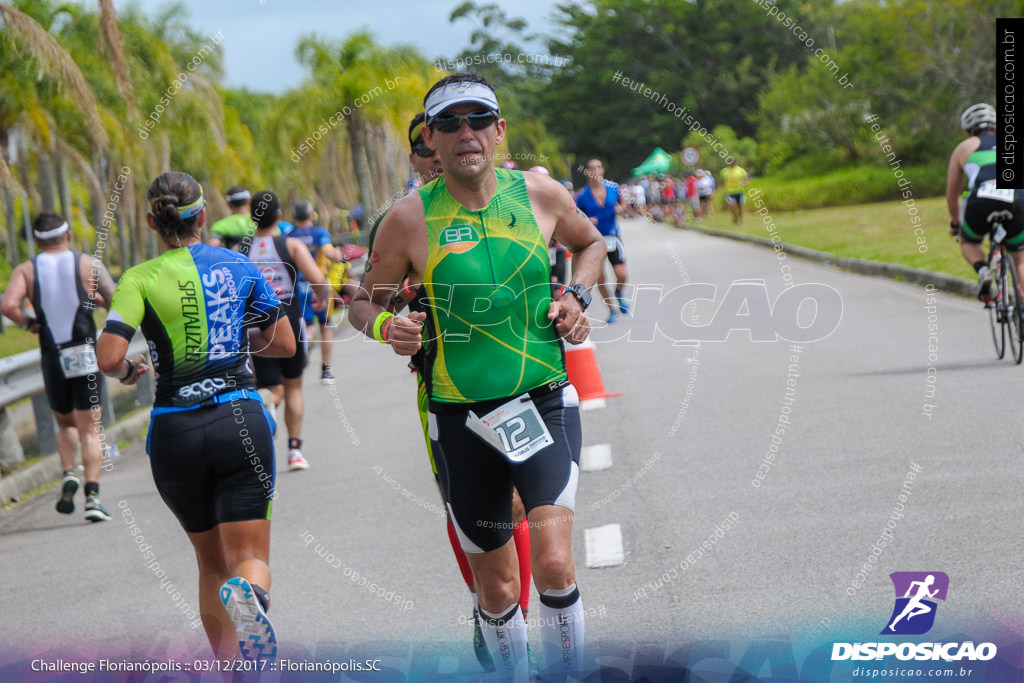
596,457
604,546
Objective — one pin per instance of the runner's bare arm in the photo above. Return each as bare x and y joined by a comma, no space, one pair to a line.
560,217
17,292
307,266
99,285
955,177
400,235
277,341
113,361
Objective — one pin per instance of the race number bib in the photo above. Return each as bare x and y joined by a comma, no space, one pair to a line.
611,242
78,361
988,190
515,429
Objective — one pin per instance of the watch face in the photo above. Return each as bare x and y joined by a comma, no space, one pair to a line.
581,293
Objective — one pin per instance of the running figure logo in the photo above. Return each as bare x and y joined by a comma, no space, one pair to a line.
914,612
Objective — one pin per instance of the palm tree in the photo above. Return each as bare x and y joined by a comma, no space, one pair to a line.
373,86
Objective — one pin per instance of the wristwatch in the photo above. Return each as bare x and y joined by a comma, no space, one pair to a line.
580,292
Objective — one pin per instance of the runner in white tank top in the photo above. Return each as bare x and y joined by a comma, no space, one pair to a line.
64,287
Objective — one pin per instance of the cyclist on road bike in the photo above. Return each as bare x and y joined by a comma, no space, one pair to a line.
986,204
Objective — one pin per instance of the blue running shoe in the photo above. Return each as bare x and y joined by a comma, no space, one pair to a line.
94,510
623,306
612,316
256,638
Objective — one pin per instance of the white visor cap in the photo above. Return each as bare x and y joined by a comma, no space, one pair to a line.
457,93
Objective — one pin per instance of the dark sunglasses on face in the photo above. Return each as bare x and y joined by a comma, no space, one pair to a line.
420,149
449,123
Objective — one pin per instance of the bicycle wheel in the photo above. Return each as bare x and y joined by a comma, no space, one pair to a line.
996,314
1014,312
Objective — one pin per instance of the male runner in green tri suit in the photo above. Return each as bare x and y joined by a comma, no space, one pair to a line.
232,230
502,412
427,166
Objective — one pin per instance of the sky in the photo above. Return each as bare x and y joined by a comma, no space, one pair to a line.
259,36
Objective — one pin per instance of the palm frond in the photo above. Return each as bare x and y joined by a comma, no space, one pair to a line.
31,38
111,33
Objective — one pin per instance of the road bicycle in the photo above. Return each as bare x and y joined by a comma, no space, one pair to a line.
1006,310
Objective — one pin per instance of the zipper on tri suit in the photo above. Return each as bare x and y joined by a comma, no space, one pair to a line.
487,246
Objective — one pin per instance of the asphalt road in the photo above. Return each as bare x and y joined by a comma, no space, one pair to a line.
688,438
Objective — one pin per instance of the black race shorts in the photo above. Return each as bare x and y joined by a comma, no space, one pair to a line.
616,250
477,480
270,372
213,464
65,395
980,213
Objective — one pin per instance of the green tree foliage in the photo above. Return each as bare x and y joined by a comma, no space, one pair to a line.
723,144
711,56
516,63
914,64
86,92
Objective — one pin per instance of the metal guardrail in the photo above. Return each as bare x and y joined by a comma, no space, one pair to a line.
21,377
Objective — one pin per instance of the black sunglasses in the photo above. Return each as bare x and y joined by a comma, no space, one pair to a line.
420,149
449,123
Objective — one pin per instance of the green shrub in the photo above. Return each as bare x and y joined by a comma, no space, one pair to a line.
856,185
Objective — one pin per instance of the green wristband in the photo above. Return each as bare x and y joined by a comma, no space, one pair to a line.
379,323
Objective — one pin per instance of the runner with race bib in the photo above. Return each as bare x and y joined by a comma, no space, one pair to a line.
480,232
599,200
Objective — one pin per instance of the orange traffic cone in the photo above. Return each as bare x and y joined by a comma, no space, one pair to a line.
581,366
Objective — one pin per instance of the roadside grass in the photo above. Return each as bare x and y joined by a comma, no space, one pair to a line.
15,340
876,232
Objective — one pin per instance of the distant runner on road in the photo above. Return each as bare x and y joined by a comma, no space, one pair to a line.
65,286
318,241
230,231
599,200
280,259
734,179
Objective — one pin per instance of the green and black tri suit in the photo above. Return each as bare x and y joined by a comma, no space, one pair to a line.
487,286
985,204
210,442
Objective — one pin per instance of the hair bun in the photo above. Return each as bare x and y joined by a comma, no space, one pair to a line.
170,212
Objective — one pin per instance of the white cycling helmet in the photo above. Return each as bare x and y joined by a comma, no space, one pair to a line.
978,116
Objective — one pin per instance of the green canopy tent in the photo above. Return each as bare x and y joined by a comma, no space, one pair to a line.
657,162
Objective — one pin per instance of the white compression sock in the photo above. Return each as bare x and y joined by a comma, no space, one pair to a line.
505,635
561,628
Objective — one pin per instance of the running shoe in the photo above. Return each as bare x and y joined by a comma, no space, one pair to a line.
612,316
94,511
256,638
68,487
483,655
985,284
296,461
327,377
623,305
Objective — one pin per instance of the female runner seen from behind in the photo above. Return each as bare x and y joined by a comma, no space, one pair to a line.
210,444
